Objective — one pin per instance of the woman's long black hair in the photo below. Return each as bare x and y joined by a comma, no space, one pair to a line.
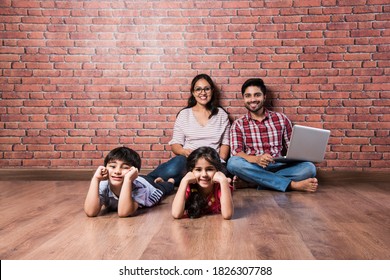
196,202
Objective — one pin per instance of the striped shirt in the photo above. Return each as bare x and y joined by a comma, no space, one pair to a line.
256,138
142,192
192,135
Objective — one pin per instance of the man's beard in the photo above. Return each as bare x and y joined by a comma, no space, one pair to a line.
259,107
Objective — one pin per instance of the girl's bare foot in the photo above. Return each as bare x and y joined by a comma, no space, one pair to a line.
308,185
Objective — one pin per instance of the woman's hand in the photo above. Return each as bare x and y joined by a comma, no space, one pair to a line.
178,150
186,152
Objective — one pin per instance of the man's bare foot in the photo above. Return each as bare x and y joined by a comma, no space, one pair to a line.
158,180
241,184
308,185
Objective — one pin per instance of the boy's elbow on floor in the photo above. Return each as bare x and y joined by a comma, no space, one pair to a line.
91,210
91,214
125,214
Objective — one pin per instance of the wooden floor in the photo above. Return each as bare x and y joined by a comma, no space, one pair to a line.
343,220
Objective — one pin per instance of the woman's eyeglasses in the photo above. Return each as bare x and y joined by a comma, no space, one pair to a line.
199,90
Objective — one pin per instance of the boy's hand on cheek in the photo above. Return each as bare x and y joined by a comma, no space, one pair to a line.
132,174
101,173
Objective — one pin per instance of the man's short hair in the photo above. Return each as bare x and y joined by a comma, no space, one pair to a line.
256,82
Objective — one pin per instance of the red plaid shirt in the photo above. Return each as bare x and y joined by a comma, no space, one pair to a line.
256,138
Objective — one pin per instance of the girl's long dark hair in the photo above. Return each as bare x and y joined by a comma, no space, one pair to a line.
213,104
196,203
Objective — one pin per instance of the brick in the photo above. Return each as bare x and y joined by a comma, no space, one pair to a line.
380,164
380,141
61,125
89,155
362,118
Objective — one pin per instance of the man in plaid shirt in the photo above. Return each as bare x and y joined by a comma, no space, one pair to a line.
258,137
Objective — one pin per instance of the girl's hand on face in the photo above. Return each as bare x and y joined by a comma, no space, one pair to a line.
219,177
132,174
190,178
101,173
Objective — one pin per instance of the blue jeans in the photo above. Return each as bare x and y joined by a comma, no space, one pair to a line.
277,176
166,187
175,168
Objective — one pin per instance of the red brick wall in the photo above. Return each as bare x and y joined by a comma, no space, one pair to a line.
79,78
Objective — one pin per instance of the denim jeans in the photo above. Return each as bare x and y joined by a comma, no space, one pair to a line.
175,168
277,176
166,187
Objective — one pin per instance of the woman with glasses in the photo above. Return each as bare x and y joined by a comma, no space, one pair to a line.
202,123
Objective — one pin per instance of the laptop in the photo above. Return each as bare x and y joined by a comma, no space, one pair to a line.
306,144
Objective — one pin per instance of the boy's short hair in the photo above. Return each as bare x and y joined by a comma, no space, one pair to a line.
124,154
256,82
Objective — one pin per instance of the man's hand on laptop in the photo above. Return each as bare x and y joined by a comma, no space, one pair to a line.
264,160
